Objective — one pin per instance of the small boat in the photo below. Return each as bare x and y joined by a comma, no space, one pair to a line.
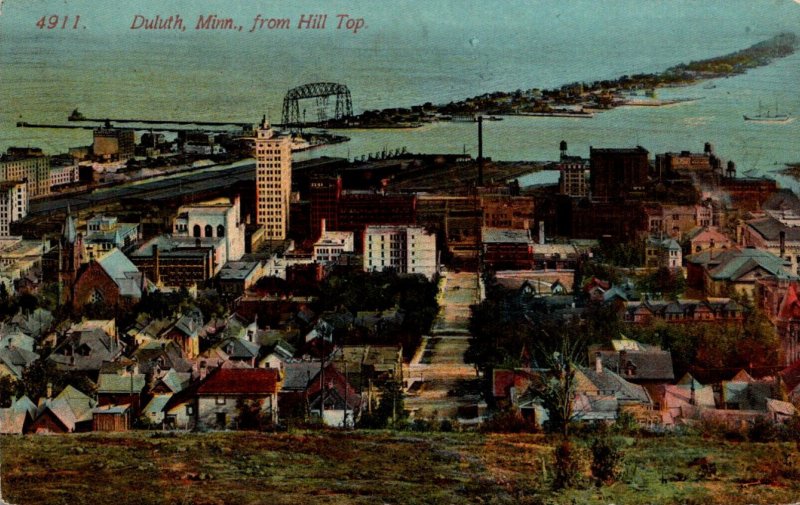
710,85
767,117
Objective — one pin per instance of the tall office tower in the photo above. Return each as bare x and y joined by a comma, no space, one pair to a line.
273,181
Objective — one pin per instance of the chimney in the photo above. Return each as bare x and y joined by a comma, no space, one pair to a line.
783,244
623,358
49,390
541,232
480,151
203,370
693,398
322,227
598,362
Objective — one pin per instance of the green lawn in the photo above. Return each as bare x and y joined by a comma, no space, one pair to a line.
377,467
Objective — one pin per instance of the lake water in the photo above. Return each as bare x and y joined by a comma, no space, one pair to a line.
410,53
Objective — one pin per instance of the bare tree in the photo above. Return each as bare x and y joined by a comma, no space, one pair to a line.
556,387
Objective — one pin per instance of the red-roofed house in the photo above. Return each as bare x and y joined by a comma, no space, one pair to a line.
221,396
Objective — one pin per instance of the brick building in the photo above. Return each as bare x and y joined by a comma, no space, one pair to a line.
617,174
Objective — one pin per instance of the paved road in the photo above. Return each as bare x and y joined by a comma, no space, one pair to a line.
443,381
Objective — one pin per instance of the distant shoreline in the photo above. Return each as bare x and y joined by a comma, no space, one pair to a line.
581,99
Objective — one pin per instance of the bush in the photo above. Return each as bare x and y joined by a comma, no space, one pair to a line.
567,465
763,430
606,460
508,421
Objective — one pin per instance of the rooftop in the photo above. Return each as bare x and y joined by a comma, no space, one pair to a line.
505,236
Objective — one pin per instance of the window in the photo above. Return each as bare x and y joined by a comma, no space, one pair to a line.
196,230
220,231
209,231
220,400
189,410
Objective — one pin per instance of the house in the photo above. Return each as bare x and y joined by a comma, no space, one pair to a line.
719,273
711,310
18,417
111,280
220,397
157,356
119,389
240,350
170,383
70,411
13,361
663,253
642,364
600,395
780,235
86,349
333,400
708,238
328,395
677,402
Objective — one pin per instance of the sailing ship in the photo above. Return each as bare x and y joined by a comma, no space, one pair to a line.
767,117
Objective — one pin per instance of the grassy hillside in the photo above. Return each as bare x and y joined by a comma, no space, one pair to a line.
377,467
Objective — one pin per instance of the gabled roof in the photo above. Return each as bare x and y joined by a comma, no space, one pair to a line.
336,386
241,381
708,234
297,376
733,264
162,354
651,364
17,359
69,407
175,381
123,272
16,338
99,347
120,384
157,404
239,348
12,419
609,383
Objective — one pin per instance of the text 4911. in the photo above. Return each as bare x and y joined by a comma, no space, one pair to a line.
55,21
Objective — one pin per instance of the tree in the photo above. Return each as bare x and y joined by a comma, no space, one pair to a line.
10,389
556,388
42,372
251,415
391,408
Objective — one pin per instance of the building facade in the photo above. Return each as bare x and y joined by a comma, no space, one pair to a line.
406,249
214,219
273,181
112,144
617,174
13,204
28,165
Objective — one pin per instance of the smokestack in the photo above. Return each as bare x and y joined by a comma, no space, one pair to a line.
782,236
480,151
598,362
